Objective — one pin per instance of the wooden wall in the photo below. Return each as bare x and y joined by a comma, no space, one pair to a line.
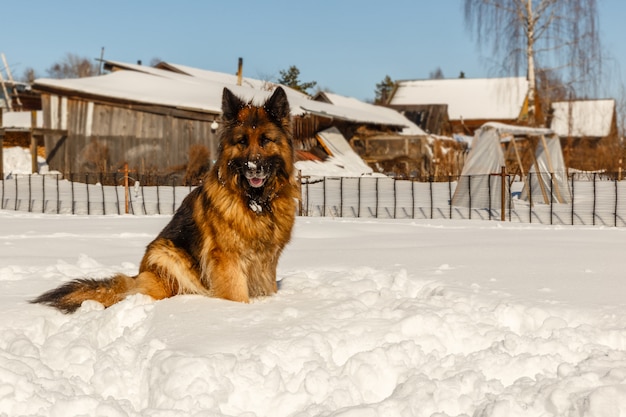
102,137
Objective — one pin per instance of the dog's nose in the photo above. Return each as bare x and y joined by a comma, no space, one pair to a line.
254,169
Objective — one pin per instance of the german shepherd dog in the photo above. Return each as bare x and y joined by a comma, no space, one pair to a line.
225,239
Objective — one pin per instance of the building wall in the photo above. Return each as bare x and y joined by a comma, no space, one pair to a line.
102,137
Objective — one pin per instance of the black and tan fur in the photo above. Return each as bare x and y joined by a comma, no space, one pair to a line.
225,239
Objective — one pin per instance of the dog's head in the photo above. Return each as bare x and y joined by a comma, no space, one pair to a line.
256,148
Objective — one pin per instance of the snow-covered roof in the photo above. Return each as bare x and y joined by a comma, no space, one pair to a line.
183,72
353,103
143,88
517,130
467,98
583,118
342,162
148,85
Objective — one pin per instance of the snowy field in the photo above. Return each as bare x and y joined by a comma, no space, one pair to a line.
373,318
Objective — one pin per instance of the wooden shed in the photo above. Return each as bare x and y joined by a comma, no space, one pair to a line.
101,123
589,134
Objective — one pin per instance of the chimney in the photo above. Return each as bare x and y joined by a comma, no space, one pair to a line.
239,71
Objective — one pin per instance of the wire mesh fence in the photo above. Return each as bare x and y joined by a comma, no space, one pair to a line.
592,199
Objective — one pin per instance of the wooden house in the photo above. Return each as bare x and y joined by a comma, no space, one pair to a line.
589,134
461,105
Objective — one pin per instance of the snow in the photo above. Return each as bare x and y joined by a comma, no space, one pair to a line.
20,119
17,160
372,318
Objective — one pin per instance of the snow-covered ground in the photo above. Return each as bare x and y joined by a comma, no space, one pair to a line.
373,318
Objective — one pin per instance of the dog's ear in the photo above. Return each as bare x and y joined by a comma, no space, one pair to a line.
277,105
231,105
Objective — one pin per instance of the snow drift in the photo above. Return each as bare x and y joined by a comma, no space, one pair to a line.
372,318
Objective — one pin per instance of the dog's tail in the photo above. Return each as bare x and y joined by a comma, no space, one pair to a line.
70,296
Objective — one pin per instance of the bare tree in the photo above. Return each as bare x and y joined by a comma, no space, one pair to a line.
556,35
73,66
437,74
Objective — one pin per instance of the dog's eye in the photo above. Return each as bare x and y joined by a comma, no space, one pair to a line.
243,141
265,140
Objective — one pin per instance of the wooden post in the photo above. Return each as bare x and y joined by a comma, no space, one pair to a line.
503,177
126,191
33,142
503,194
6,93
126,171
239,71
11,82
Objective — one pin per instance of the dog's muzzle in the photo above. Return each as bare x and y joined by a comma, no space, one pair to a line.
255,173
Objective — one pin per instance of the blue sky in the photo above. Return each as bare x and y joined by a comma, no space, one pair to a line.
347,46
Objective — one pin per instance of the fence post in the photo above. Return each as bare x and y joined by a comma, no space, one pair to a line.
413,199
43,193
58,196
72,184
469,193
126,191
340,196
430,190
489,193
30,193
307,197
324,197
87,188
358,204
173,195
104,210
117,197
616,199
503,194
573,199
503,177
377,197
530,197
395,198
16,192
33,142
158,195
450,196
593,215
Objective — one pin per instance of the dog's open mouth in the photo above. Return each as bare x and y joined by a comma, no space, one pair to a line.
255,174
255,182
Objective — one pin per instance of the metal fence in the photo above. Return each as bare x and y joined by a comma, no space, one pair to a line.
594,199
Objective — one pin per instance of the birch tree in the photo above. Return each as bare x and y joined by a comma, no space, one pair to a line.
554,35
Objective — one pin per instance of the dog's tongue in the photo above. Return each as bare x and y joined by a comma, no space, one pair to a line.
256,182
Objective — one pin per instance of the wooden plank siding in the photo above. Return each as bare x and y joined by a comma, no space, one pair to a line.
102,137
